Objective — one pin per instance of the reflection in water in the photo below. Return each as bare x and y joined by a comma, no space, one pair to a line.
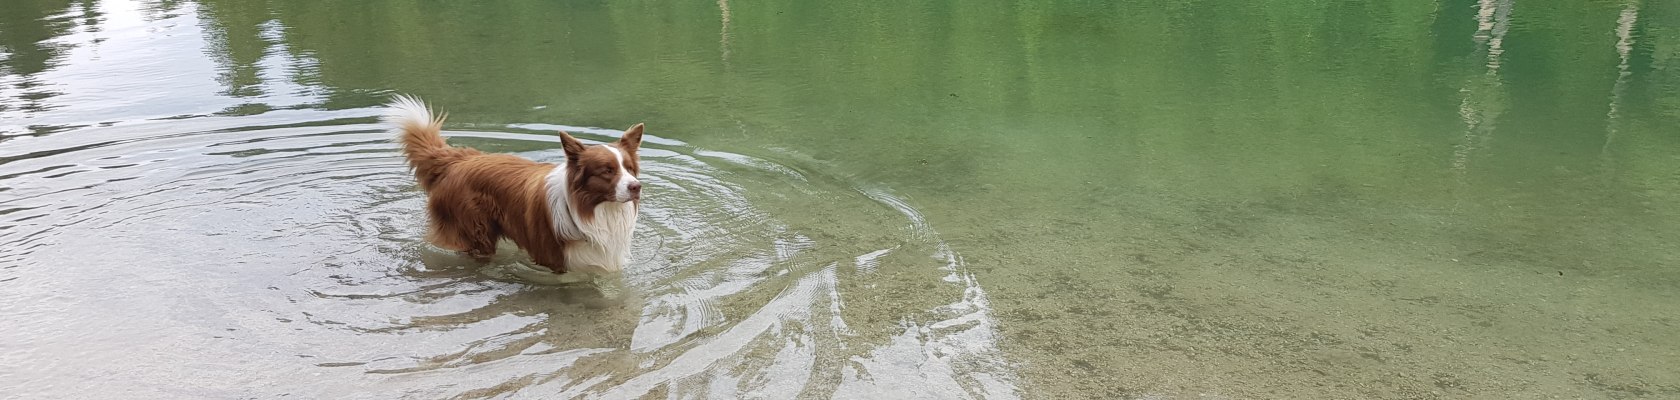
28,30
723,33
108,62
1483,98
254,63
1624,46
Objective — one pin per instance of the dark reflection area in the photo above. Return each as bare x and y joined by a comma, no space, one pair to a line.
27,31
255,62
71,64
240,35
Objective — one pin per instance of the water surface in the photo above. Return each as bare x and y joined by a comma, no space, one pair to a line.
1339,199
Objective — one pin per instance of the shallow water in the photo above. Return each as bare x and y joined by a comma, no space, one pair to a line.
1342,199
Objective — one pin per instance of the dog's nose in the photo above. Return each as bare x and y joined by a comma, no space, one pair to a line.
635,187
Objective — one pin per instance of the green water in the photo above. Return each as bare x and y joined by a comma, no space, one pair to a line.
1266,199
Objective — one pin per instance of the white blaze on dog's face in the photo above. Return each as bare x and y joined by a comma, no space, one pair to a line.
626,187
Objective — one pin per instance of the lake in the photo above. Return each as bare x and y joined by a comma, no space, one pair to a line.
950,199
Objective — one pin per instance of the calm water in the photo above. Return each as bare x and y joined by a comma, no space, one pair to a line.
1335,199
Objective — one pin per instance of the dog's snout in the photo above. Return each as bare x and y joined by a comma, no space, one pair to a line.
635,187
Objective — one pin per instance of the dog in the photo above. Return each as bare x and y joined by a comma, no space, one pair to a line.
576,216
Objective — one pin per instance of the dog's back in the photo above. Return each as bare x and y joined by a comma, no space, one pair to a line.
474,198
479,199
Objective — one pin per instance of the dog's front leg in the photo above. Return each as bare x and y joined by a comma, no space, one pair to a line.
554,259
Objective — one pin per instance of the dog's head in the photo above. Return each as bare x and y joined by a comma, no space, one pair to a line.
604,172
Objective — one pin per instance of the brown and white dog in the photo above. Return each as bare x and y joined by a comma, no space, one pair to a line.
576,216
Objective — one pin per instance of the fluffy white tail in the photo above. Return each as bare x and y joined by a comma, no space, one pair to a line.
421,137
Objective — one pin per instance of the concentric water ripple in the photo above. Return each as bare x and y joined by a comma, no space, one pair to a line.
279,254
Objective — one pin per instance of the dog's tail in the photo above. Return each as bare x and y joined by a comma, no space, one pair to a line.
420,134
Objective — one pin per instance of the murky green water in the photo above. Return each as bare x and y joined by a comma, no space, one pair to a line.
1343,199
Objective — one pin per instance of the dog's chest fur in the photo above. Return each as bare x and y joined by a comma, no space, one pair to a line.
599,244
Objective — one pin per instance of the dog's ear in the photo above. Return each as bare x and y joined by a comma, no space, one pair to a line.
632,138
571,145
